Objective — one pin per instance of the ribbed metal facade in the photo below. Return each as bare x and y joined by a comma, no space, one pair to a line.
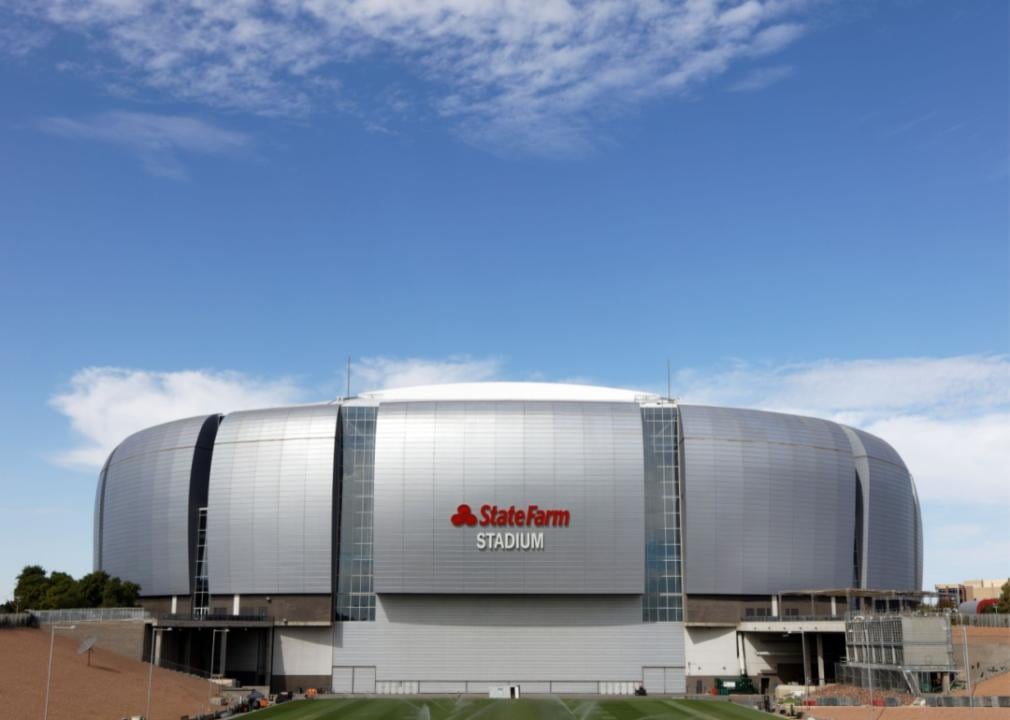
497,639
769,502
145,506
270,508
356,502
99,522
892,524
583,458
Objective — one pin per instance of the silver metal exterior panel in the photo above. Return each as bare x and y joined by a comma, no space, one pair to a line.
270,504
99,504
918,537
145,515
892,552
769,502
586,458
572,638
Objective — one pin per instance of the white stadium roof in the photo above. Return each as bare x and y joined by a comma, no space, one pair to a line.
509,391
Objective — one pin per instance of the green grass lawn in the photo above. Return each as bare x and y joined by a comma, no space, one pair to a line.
484,709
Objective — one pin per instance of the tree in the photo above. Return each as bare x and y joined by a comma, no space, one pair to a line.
64,592
1003,605
31,588
37,591
119,593
92,587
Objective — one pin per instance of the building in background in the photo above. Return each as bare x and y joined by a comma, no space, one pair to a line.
950,595
969,590
563,538
984,589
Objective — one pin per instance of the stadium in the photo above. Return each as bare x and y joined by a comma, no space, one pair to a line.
551,538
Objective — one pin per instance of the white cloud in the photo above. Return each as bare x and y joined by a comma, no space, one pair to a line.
376,373
156,139
761,78
949,418
105,405
527,73
955,460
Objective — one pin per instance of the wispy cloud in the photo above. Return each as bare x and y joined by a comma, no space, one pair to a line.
526,73
158,140
104,405
761,78
19,39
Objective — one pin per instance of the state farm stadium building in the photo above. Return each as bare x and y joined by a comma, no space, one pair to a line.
446,539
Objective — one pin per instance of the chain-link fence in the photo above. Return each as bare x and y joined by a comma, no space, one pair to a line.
876,678
48,617
996,620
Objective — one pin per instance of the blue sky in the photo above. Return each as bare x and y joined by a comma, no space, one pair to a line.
803,205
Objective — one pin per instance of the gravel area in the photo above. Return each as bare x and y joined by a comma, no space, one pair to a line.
905,713
113,687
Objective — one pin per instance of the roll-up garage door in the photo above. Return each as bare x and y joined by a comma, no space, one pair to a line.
654,679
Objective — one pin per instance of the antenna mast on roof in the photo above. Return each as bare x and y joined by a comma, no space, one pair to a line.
348,377
668,391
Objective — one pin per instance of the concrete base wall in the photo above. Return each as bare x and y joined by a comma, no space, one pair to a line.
424,643
711,652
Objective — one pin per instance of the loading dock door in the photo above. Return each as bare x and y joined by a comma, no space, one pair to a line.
364,680
663,680
654,680
343,680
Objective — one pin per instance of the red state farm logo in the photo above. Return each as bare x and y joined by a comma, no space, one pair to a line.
512,516
464,516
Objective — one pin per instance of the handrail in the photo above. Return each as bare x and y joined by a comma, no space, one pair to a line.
253,616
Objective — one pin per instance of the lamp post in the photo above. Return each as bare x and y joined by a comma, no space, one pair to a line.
967,667
156,634
49,672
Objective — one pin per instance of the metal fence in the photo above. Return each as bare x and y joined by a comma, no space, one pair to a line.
965,701
792,618
252,615
48,617
877,678
15,620
996,620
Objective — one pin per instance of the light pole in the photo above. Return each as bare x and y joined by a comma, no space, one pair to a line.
155,644
967,667
869,663
49,672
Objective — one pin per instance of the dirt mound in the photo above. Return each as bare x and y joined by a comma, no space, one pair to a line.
982,635
113,687
995,685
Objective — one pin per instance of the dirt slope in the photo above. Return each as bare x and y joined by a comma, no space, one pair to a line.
113,687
